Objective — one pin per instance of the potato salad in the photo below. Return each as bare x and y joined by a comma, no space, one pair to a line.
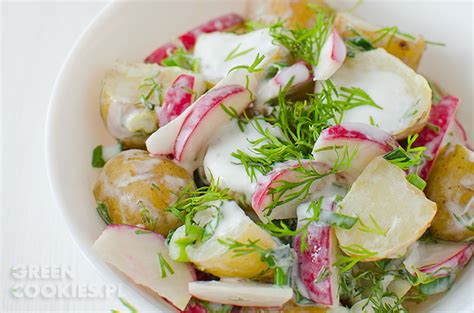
287,160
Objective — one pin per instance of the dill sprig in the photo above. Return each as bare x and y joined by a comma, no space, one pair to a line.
406,158
374,228
301,123
359,253
191,201
279,259
252,68
154,94
148,220
165,267
390,32
317,215
235,53
466,220
182,58
304,43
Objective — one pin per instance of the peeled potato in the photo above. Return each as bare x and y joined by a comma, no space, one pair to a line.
137,188
403,95
125,117
451,186
214,257
296,12
406,49
381,196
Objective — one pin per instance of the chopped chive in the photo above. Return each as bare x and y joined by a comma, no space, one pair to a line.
416,181
103,212
97,159
164,266
128,305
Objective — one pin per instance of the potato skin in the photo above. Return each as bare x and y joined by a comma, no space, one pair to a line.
408,50
134,176
451,186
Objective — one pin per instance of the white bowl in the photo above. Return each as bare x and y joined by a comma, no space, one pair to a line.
130,31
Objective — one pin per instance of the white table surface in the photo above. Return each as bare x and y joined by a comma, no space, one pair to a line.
33,235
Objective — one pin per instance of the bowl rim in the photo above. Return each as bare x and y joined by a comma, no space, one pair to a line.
108,273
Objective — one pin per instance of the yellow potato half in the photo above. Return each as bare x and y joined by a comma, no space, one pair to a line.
406,49
392,213
138,188
451,186
214,257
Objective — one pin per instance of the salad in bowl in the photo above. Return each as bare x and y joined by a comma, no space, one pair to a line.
289,160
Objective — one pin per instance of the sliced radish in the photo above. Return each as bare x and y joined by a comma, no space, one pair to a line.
315,268
438,259
140,254
184,90
331,57
456,134
403,95
297,73
432,136
240,293
162,141
205,118
188,39
288,172
366,141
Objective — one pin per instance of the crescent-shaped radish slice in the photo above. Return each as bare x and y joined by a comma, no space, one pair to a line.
364,140
241,293
331,57
142,255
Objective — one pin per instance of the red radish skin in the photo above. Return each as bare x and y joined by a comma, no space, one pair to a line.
344,132
185,149
161,53
262,196
441,115
177,98
188,39
367,142
333,54
455,262
218,24
314,260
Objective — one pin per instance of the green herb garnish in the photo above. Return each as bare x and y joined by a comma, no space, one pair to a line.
235,53
164,266
154,95
128,305
304,43
97,159
103,212
182,58
374,229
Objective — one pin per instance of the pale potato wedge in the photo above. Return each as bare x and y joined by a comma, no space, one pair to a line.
451,186
395,212
406,49
125,117
214,257
296,12
403,95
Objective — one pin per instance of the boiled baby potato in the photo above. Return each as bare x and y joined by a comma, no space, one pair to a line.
297,12
392,213
137,189
125,115
406,49
451,186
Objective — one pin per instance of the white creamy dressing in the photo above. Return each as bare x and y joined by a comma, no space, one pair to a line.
387,89
329,193
232,220
403,94
220,164
214,52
